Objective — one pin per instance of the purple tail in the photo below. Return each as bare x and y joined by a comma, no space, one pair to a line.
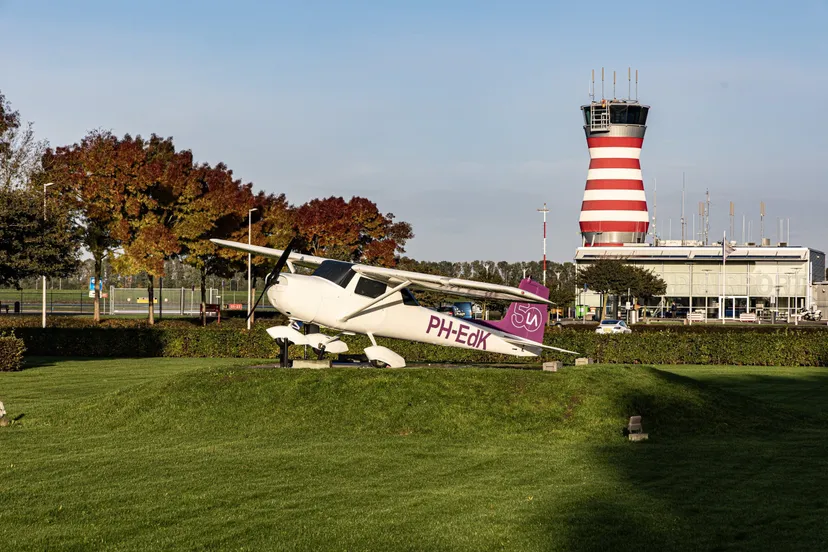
526,319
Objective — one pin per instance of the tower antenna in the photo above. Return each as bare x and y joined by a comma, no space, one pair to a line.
592,87
655,211
629,83
682,209
744,238
761,221
707,219
731,219
602,83
613,85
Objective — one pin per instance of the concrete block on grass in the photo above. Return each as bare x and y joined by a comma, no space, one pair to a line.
638,436
314,364
584,361
552,366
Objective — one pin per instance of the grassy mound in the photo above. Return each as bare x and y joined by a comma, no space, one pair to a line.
593,402
210,455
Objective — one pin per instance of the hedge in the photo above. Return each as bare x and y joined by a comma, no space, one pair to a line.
11,353
769,346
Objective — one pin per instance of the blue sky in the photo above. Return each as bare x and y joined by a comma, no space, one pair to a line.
460,117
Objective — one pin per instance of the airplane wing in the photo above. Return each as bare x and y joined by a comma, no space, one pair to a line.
394,277
300,259
445,284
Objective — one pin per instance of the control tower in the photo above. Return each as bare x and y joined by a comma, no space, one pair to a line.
614,210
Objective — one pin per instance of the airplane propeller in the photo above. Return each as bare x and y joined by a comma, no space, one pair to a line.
273,277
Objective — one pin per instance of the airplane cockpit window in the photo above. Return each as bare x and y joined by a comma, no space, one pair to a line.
408,298
338,272
370,288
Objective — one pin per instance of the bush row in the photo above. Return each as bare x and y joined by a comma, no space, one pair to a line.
779,346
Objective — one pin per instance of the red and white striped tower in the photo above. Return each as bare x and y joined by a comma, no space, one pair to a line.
614,210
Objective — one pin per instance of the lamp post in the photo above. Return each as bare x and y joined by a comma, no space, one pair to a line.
43,309
249,260
544,211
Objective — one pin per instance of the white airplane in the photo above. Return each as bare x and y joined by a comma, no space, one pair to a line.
355,298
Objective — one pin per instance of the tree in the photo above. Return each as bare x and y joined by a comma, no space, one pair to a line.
91,179
32,244
216,207
561,283
147,217
351,231
612,276
20,152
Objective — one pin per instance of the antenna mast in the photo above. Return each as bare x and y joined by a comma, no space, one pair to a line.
707,219
636,85
744,237
761,221
629,83
655,211
602,83
682,209
731,219
592,87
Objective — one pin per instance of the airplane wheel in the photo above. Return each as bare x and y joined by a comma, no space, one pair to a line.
320,353
378,364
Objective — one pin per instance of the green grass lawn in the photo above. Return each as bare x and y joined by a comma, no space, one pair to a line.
211,455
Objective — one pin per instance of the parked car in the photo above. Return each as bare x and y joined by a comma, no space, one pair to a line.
613,327
451,310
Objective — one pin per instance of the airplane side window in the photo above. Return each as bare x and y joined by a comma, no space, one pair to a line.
338,272
370,288
408,298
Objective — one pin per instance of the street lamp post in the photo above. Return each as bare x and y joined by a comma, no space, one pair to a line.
43,309
544,211
249,263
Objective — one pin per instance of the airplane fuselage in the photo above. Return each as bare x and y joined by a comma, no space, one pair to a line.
328,302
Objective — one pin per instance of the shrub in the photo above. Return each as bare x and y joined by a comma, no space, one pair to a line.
11,353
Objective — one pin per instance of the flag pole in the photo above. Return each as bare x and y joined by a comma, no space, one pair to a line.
724,259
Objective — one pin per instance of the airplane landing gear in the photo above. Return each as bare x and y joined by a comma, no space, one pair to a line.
284,352
378,355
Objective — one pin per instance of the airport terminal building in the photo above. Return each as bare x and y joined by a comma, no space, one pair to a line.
754,279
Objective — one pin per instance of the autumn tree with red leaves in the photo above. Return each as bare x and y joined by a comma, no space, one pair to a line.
91,178
353,231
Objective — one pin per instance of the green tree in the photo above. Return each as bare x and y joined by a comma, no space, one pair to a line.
34,243
612,276
214,207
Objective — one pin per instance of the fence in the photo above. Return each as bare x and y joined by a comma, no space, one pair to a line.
67,301
172,301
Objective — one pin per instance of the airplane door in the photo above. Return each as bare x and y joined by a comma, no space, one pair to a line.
365,291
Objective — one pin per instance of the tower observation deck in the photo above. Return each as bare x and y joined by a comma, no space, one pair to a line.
614,209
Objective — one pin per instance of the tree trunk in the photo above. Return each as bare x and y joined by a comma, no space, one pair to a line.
151,297
603,307
203,295
97,299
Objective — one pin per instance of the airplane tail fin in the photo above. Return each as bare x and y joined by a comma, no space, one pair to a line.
527,320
